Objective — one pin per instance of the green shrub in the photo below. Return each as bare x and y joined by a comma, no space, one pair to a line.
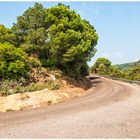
6,87
132,73
53,85
6,35
13,62
9,110
34,62
36,86
57,73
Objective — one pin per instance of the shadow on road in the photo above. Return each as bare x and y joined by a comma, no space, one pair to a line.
92,78
95,80
86,83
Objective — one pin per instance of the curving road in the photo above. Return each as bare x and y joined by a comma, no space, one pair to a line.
110,109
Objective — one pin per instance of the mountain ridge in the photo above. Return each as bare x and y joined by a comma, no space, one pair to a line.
127,65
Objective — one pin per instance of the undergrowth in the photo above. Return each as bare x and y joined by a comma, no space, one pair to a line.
11,87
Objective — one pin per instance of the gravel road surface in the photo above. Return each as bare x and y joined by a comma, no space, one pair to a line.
110,109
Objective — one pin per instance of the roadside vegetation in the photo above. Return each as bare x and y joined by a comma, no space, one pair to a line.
130,71
45,42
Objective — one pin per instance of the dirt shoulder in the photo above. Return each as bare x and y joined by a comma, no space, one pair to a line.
40,98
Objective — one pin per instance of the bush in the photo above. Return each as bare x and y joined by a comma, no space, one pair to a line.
53,85
101,66
6,35
132,73
34,62
9,110
13,62
57,73
8,87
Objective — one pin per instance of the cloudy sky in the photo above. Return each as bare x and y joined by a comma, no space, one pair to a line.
117,24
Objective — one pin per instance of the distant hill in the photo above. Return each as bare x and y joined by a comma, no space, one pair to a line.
127,65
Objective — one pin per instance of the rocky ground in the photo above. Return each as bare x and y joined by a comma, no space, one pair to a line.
43,97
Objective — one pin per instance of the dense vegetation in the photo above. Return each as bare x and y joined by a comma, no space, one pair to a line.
103,66
130,71
58,37
54,38
13,62
127,65
51,41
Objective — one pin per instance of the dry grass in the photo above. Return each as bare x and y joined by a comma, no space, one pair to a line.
34,99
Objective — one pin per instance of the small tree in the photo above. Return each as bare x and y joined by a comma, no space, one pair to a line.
133,73
115,72
13,62
101,66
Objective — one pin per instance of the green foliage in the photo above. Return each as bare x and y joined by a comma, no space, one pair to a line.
101,66
57,73
115,72
31,31
35,86
13,62
9,110
84,70
32,18
128,65
6,35
130,71
58,37
53,85
8,87
72,40
34,62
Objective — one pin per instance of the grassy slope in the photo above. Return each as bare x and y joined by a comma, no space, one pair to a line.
127,65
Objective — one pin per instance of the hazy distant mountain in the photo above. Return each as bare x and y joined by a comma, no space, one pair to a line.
128,65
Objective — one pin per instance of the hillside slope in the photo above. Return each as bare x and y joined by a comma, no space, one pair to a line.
127,65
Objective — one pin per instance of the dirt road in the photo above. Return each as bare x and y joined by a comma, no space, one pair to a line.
111,110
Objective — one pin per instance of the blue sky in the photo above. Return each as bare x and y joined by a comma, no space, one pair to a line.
117,24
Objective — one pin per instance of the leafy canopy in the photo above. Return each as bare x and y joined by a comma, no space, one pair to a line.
103,66
58,37
6,35
13,62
